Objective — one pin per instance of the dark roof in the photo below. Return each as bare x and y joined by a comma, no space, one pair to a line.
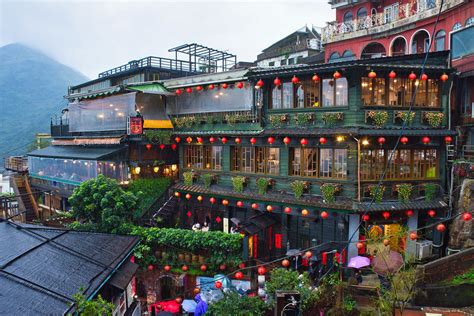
310,131
41,268
313,59
386,131
408,131
77,152
401,206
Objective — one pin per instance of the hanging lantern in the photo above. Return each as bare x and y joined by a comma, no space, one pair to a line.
241,265
212,200
254,206
269,208
184,268
424,77
381,140
239,275
237,140
404,140
156,169
315,78
466,216
324,215
222,267
431,213
409,213
336,75
177,139
240,85
150,267
304,212
174,146
196,291
218,284
303,142
199,140
308,254
178,92
199,198
295,80
412,76
372,74
323,140
277,81
413,236
286,140
188,196
167,268
189,90
203,268
224,140
137,170
440,227
224,85
253,140
287,210
210,87
259,83
285,263
148,146
365,217
261,270
162,146
179,300
448,139
386,215
444,77
270,140
240,204
177,194
189,140
386,242
199,88
212,140
425,140
225,202
360,245
392,74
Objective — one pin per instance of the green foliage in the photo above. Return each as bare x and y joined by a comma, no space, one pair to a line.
262,185
405,116
188,177
465,278
232,119
236,305
102,203
303,118
207,179
95,307
149,189
211,119
376,192
298,187
238,183
277,119
328,191
435,119
178,122
404,191
159,136
379,118
330,118
430,191
290,280
349,304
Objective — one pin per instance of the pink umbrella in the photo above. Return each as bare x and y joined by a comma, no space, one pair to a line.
386,263
358,262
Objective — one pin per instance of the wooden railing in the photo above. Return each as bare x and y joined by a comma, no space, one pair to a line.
16,163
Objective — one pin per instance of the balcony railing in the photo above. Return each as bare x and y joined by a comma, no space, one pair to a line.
16,163
382,21
467,152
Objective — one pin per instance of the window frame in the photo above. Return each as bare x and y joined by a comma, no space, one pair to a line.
258,158
315,161
204,155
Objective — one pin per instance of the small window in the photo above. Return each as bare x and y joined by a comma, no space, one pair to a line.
440,40
469,21
457,26
271,64
291,61
283,62
362,13
334,57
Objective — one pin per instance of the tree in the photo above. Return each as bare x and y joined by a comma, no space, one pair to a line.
96,307
401,291
100,204
236,305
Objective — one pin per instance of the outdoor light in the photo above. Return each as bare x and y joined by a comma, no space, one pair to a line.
315,78
156,169
340,138
412,76
424,77
444,77
365,142
137,170
174,167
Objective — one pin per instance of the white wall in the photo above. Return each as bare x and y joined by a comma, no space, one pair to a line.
5,184
277,60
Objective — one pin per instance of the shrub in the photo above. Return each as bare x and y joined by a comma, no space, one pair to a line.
207,179
330,118
238,183
376,192
404,191
235,304
379,118
151,189
430,191
435,119
262,185
328,191
188,177
298,187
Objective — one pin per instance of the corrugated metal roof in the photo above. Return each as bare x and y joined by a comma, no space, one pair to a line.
227,76
150,87
401,206
76,152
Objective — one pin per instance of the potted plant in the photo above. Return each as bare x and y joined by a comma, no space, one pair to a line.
304,118
430,191
328,191
188,177
405,116
232,119
189,121
379,118
238,183
208,179
263,184
404,191
376,192
329,118
299,187
434,119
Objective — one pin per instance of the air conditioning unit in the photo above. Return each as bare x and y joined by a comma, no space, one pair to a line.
424,249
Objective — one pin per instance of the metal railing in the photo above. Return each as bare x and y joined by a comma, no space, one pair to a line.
467,152
16,163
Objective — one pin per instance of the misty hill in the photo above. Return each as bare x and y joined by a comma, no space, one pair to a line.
32,86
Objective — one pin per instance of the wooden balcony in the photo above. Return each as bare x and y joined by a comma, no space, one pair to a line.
16,163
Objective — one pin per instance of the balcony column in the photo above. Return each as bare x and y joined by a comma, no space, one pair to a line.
354,221
412,224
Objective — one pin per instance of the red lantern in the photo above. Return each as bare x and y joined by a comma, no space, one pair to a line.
177,139
413,236
440,227
270,140
409,213
404,140
386,215
225,202
381,140
295,80
323,140
360,245
372,74
304,212
239,275
287,210
224,85
218,284
188,196
148,146
315,78
261,270
212,139
162,146
177,194
240,85
424,77
286,140
254,206
392,74
365,217
448,139
431,213
212,200
210,87
303,142
337,75
285,263
199,88
412,76
189,90
466,216
184,268
224,140
308,254
199,139
189,140
386,242
269,208
324,215
425,140
196,291
241,265
222,267
178,91
253,140
203,268
167,268
174,146
259,83
150,267
240,203
199,198
237,140
444,77
277,81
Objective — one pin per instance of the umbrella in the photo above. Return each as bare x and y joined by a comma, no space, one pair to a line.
189,305
293,252
386,263
358,262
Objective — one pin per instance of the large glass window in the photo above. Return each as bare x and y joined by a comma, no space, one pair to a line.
332,163
334,92
373,91
282,96
302,95
401,90
203,157
425,164
256,159
372,163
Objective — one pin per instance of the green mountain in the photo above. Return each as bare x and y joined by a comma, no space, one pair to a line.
32,86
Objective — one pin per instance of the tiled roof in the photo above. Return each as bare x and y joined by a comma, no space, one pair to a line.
219,132
401,206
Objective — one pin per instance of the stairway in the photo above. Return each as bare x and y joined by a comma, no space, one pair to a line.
25,198
167,210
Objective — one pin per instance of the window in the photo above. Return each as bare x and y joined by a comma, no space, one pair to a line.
332,163
271,64
334,57
457,26
391,13
283,62
334,92
373,91
400,92
372,163
348,23
304,162
203,157
282,96
362,13
302,95
440,39
425,164
291,61
469,21
256,160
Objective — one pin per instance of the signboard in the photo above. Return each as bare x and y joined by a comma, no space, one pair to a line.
135,125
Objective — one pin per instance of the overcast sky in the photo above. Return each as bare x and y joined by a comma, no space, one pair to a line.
93,36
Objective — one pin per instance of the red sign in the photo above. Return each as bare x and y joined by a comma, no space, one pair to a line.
135,125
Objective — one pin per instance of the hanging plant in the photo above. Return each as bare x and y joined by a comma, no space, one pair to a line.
328,190
178,122
208,179
263,184
435,119
405,116
158,136
211,119
303,118
379,118
330,118
189,121
232,119
430,191
404,191
376,192
298,187
188,177
238,183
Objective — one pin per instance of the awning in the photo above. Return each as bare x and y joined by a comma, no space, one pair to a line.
121,278
96,93
157,124
153,88
77,152
87,141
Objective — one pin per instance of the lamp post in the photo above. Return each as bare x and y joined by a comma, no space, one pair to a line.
358,167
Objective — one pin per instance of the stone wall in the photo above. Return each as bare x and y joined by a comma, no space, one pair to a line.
461,232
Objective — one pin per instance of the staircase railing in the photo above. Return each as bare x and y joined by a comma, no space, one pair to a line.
158,203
